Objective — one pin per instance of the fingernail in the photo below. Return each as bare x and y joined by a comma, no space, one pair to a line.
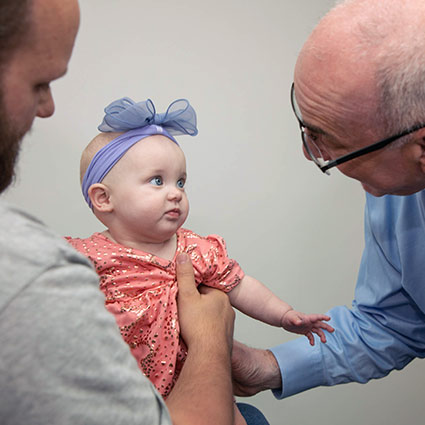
182,258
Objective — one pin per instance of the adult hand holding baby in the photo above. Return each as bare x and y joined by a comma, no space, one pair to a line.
204,314
206,318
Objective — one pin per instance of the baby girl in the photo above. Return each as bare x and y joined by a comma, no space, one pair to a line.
133,178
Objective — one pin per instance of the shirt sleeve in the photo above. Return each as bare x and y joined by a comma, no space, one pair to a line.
385,328
217,269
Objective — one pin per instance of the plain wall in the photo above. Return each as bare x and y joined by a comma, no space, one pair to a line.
298,231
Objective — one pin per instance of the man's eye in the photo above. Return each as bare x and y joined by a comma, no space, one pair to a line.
157,181
181,183
312,136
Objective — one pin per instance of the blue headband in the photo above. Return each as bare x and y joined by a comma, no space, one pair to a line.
137,120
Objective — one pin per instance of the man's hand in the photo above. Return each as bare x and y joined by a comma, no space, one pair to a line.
253,370
203,392
205,316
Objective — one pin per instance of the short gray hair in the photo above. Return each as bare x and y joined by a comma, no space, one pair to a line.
390,33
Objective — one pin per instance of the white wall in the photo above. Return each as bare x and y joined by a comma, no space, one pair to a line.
295,229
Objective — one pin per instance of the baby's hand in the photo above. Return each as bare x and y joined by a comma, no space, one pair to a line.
306,324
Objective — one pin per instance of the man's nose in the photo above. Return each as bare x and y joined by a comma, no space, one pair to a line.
46,104
318,154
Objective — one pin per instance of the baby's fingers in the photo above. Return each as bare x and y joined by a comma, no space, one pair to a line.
318,317
319,332
310,337
325,326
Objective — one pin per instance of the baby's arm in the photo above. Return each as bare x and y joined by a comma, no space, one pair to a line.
256,300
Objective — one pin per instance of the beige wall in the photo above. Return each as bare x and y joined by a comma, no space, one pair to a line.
298,231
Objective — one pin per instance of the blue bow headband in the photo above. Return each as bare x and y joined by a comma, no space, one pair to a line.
137,120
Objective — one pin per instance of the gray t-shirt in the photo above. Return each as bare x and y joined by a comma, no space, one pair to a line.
62,358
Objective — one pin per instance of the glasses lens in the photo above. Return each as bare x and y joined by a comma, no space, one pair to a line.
311,147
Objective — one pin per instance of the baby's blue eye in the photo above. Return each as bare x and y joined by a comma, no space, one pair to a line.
157,181
180,183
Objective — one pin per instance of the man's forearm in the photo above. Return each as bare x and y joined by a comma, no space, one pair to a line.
203,392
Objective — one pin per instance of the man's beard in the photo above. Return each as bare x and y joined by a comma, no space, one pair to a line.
10,142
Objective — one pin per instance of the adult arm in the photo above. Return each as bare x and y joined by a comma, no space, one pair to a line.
360,349
62,358
254,370
385,329
203,392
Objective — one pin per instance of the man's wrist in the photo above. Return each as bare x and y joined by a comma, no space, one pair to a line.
211,345
273,376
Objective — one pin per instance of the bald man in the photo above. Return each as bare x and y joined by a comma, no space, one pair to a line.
359,99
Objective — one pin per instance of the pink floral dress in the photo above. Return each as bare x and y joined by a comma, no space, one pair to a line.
141,292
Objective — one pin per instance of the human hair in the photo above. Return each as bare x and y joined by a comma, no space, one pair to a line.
14,23
97,143
388,34
400,79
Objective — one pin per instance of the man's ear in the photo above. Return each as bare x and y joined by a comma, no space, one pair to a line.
421,147
100,197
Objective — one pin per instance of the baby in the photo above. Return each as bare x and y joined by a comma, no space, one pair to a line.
133,178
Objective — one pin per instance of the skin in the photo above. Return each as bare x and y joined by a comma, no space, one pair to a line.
143,203
207,318
42,58
142,200
195,401
337,96
253,370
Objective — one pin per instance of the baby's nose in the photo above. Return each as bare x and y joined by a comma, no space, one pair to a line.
175,194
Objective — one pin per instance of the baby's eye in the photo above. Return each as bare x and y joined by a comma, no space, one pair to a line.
181,183
157,181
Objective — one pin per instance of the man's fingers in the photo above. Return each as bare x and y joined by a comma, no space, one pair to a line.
185,275
205,289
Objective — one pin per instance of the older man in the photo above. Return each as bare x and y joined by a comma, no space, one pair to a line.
359,98
62,359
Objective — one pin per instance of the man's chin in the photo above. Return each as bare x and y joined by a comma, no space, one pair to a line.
396,192
373,191
11,136
8,158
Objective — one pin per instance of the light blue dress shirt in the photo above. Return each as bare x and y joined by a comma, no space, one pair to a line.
385,329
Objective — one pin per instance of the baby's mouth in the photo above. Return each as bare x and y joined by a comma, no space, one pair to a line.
175,212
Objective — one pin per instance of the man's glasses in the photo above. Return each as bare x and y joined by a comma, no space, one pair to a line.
316,155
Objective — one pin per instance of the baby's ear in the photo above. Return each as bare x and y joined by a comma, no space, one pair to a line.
100,197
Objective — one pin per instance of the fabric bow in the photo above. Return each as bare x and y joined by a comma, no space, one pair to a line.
124,114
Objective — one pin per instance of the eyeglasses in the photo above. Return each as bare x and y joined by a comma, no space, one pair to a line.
316,155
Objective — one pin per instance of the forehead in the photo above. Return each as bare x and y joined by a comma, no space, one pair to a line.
154,151
336,95
335,77
48,43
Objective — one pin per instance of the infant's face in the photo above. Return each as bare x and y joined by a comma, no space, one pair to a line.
147,190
